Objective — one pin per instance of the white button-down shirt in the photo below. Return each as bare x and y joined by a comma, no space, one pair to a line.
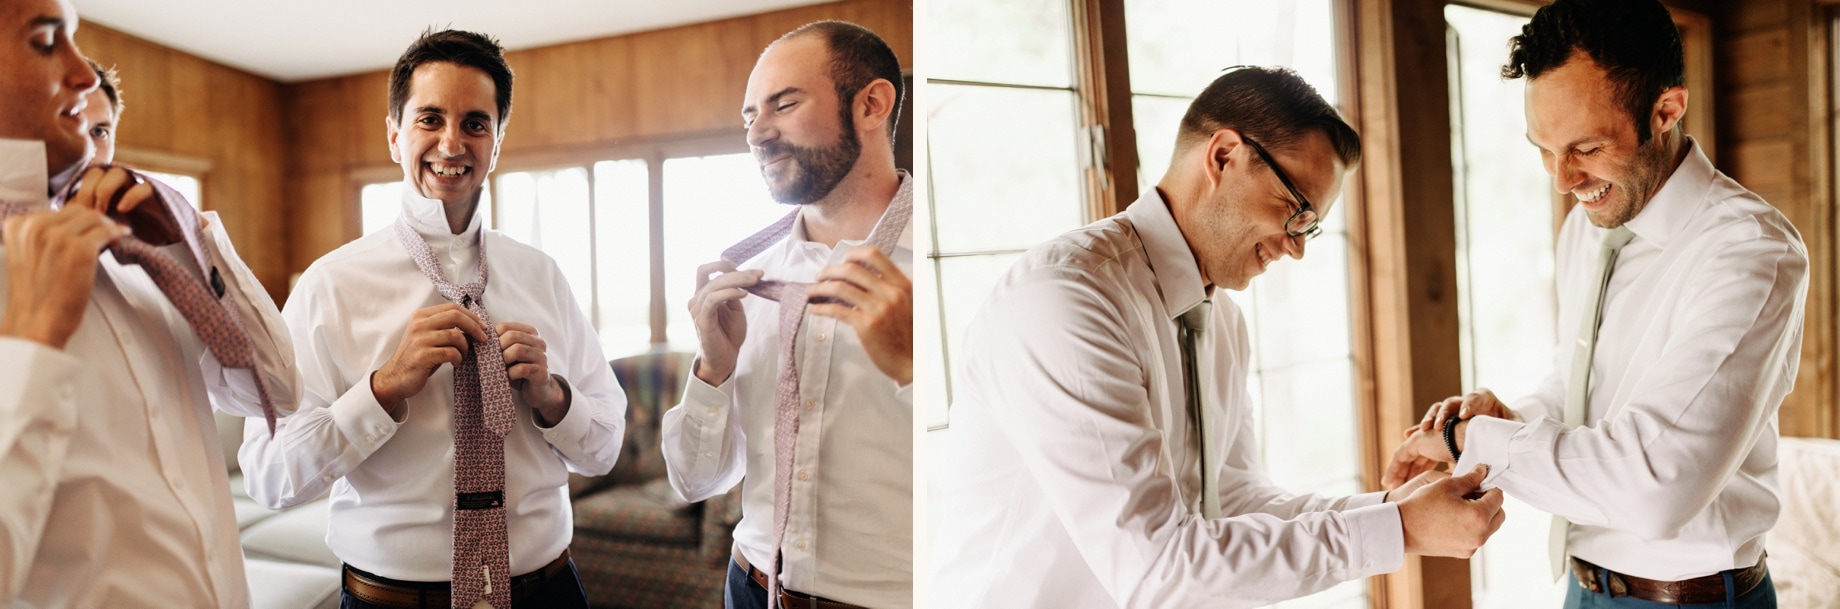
849,536
392,483
116,488
1073,479
1674,475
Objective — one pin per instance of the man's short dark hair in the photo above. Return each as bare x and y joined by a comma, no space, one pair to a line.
469,49
858,58
1634,40
1273,106
111,86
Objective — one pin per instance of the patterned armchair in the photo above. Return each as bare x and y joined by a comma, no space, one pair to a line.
637,543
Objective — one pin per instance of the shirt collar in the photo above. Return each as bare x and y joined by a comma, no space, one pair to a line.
429,218
1178,276
22,172
906,191
1668,211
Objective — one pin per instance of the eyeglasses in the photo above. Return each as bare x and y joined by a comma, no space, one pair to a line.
1305,222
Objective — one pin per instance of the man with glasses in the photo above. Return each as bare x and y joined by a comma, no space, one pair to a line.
1102,448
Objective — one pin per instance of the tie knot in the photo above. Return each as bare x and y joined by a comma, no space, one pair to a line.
1196,317
1616,238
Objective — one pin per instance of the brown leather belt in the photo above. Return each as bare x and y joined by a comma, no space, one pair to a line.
788,598
416,595
1705,589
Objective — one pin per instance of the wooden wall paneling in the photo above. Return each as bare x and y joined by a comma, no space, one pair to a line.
1409,248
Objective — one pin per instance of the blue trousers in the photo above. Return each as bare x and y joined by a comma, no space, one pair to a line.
1576,597
742,592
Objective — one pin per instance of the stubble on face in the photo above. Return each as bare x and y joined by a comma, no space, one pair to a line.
810,172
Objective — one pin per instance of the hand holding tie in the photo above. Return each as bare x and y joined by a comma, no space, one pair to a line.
51,265
436,335
721,323
868,292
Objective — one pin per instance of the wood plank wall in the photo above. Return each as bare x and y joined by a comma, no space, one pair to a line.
1772,98
679,82
184,112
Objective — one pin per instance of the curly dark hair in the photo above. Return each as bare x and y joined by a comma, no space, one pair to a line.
470,49
1272,105
1634,40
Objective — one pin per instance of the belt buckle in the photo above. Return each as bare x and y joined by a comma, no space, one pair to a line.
1618,587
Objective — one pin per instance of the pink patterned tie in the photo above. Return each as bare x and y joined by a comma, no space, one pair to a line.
792,299
216,321
483,414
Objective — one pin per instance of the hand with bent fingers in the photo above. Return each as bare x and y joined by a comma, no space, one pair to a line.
51,265
122,194
527,363
1421,452
1450,517
1413,485
1478,402
436,335
721,323
874,297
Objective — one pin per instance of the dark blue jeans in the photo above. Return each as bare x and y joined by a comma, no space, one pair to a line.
742,592
563,591
1761,597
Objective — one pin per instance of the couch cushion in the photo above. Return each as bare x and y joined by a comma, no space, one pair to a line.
285,585
649,512
653,383
295,535
1805,545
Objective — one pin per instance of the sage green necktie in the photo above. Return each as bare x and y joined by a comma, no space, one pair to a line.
1578,389
1194,328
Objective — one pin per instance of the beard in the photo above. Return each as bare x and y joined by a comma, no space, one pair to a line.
1647,172
813,171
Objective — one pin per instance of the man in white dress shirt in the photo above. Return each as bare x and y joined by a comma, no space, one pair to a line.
820,110
379,348
115,486
1667,474
1076,476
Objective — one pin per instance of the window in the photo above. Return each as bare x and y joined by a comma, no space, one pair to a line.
187,185
1005,147
598,222
1508,303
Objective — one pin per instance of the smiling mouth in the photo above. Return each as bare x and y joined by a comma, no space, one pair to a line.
1592,196
448,171
1265,259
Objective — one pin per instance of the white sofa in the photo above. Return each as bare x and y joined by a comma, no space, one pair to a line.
1805,545
288,564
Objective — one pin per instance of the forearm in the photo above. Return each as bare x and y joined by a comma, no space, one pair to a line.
313,447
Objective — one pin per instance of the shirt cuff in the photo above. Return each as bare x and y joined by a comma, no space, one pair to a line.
362,419
705,396
1365,500
1485,442
1381,539
574,424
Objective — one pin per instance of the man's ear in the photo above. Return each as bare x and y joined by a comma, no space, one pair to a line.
1219,155
874,105
389,124
1670,108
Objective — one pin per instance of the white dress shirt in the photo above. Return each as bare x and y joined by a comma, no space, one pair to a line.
849,536
1674,475
392,482
116,492
1072,479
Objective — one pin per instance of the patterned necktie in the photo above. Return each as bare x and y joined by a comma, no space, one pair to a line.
216,321
792,299
483,414
1579,388
1193,330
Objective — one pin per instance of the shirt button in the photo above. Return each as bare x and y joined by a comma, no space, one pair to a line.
326,478
803,475
709,455
383,429
801,544
372,438
810,403
820,337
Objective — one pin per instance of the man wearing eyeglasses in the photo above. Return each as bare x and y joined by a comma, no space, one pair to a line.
1102,448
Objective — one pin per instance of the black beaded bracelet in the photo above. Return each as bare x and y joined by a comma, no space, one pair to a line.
1450,438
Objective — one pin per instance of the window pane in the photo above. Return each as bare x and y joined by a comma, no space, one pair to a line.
622,233
187,186
548,210
1504,274
1006,174
710,203
1178,46
964,281
1015,42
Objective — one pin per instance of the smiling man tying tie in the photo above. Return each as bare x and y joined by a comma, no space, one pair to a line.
449,382
813,416
114,345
